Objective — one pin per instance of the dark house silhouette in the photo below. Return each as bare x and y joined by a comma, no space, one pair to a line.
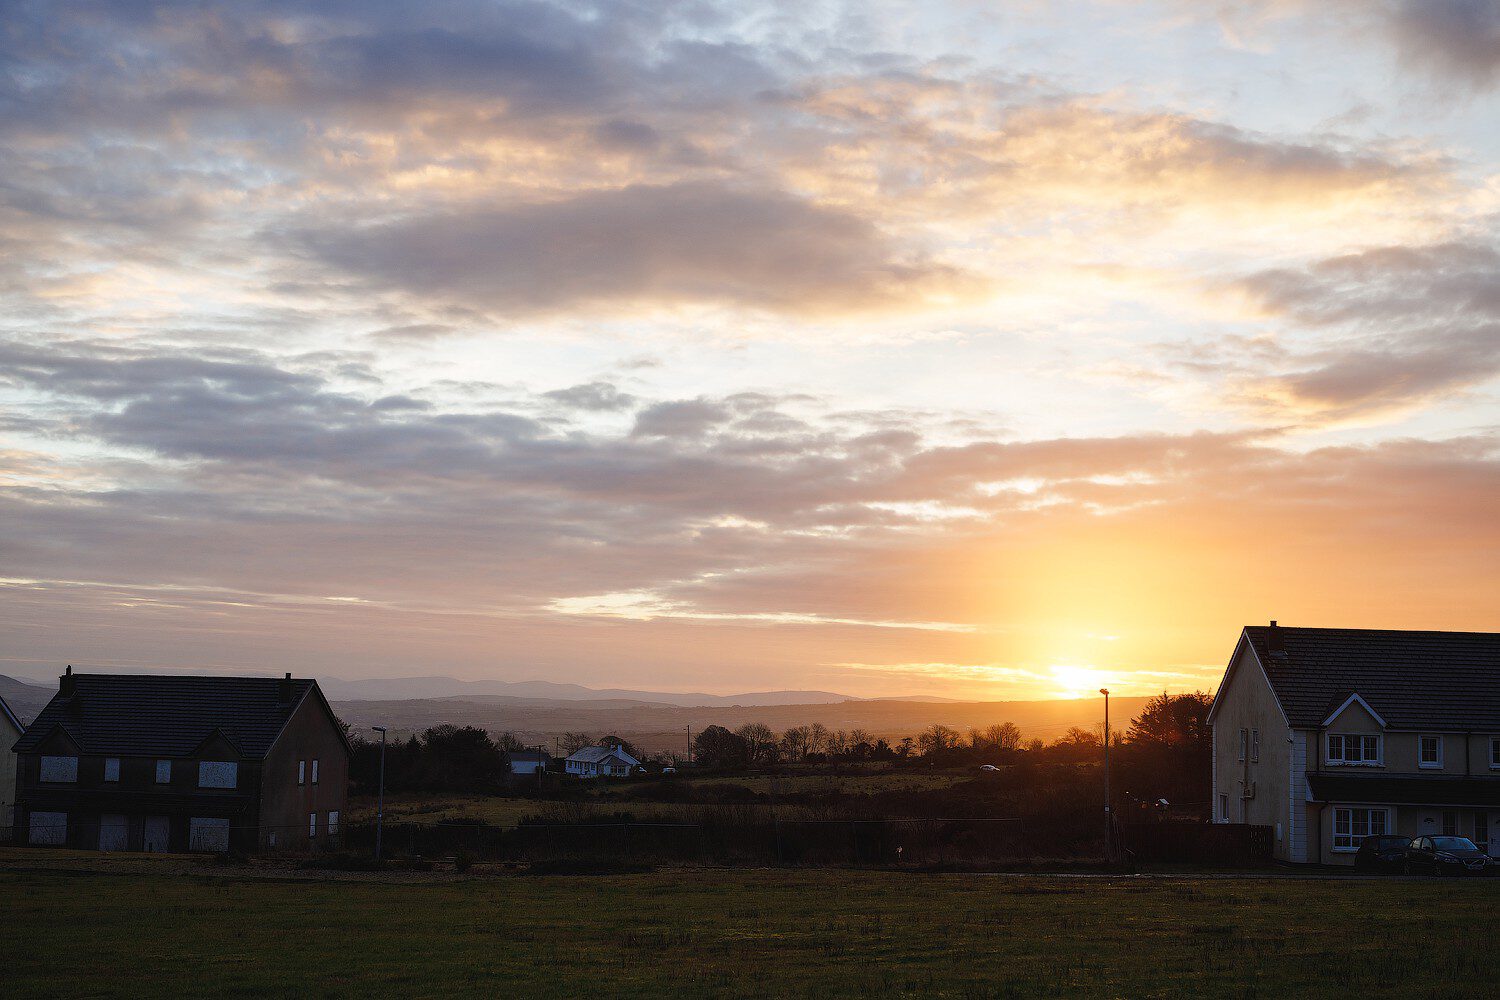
147,762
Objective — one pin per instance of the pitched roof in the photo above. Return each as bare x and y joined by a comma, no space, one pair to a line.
1413,680
587,755
1405,789
169,716
520,755
10,716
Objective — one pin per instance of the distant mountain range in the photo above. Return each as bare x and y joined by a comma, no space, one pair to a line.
539,694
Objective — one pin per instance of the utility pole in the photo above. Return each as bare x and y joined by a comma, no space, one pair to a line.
1109,840
690,745
380,801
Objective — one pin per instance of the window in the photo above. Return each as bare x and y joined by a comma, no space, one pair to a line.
1350,826
59,769
333,822
1429,751
208,835
312,824
315,770
1495,752
301,772
48,828
1244,743
164,772
272,838
111,769
1450,823
218,774
1255,745
1224,808
1351,749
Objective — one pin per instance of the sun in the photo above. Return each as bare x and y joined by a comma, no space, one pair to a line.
1075,681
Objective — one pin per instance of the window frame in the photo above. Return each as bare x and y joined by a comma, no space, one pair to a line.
1351,839
58,763
112,762
1495,753
312,826
1343,759
1422,762
315,770
234,774
163,765
301,773
1224,807
1244,744
332,822
1255,746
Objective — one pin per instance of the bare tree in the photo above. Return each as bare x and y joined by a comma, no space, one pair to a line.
794,743
760,739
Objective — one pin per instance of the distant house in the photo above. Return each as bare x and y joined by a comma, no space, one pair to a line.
1332,735
528,761
591,762
10,731
167,763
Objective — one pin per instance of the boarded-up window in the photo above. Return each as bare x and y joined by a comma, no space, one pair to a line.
49,828
112,832
208,835
333,822
112,769
301,772
218,774
59,768
312,824
315,770
164,772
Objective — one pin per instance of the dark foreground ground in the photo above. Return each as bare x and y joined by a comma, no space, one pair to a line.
734,933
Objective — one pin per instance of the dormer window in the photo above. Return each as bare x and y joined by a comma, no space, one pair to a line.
1429,751
1350,748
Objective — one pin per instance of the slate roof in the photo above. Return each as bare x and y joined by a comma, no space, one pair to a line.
536,755
167,716
1405,789
588,755
1414,680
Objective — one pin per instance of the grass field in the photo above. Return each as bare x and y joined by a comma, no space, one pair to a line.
732,934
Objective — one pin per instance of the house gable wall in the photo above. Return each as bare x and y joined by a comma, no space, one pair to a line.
1246,701
310,734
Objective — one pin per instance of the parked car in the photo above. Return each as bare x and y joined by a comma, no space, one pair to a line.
1446,856
988,767
1382,854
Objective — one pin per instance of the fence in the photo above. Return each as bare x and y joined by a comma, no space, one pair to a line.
1181,840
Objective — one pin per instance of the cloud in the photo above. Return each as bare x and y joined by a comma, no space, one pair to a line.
682,243
1398,327
1456,37
596,396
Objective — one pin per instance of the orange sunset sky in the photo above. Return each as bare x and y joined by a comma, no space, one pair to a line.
978,350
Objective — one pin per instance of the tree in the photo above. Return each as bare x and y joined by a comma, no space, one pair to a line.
760,742
1005,736
937,739
617,741
1172,720
718,747
573,742
794,743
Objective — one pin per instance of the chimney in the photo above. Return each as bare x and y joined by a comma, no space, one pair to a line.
1275,641
284,689
67,685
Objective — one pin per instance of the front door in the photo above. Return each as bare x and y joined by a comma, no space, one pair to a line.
1482,830
157,834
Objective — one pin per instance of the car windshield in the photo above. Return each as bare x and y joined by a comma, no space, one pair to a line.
1453,844
1385,843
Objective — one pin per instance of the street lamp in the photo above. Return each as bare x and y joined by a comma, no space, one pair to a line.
1109,851
380,800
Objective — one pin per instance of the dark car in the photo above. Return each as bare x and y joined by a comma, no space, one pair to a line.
1446,856
1382,854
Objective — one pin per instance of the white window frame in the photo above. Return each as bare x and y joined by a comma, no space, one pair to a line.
1422,761
1244,744
164,772
315,770
312,825
1351,838
112,770
333,822
301,773
1343,759
1255,745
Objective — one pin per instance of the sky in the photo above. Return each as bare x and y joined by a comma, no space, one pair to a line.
982,350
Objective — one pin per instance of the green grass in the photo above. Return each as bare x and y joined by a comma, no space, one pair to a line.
733,934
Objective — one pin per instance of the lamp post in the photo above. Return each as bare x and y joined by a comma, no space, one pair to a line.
380,799
1109,846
